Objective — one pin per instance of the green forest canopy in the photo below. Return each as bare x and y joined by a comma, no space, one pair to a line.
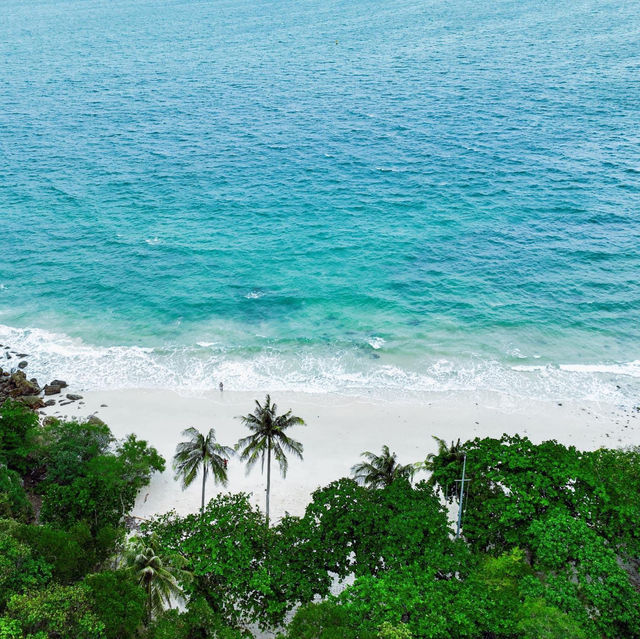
550,547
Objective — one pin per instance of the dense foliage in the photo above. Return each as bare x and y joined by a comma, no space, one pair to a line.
550,546
65,489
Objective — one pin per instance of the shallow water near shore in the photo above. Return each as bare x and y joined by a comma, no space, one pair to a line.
394,198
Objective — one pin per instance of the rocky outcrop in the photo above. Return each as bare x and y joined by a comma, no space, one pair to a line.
16,385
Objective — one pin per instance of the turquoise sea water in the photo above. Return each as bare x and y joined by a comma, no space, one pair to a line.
328,195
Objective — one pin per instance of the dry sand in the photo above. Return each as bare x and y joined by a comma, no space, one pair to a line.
338,428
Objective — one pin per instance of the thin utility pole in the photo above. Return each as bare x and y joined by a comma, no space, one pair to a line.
462,481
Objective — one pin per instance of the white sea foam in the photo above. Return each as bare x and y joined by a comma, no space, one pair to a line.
376,342
204,365
631,369
254,295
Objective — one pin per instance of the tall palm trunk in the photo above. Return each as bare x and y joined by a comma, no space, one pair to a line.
204,481
268,478
149,600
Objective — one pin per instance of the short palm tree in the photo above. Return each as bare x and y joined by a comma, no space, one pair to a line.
160,578
378,471
268,436
444,463
200,451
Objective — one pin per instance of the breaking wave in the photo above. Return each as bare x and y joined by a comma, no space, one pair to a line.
197,368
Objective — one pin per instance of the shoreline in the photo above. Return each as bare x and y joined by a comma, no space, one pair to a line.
338,428
358,371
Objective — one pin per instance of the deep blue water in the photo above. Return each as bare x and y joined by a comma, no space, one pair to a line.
323,195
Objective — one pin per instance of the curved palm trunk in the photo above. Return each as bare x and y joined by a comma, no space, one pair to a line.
268,478
204,481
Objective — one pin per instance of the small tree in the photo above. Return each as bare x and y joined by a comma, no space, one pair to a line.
201,452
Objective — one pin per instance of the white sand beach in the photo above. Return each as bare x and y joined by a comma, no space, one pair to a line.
338,428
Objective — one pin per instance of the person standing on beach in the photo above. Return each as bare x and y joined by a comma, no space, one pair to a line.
221,386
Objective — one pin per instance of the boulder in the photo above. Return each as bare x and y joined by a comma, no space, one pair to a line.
95,420
51,389
73,398
59,382
23,364
18,385
50,402
32,401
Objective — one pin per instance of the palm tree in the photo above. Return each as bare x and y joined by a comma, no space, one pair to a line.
159,578
379,471
447,460
267,437
200,451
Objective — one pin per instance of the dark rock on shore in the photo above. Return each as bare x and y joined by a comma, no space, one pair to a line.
23,364
50,402
59,382
73,398
95,420
51,389
32,401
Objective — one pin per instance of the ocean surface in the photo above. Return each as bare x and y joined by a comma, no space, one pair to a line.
357,196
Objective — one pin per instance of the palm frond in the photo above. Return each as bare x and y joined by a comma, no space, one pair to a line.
378,471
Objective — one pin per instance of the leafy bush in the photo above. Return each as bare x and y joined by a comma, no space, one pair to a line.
68,559
18,427
13,499
118,602
60,612
105,487
198,620
19,570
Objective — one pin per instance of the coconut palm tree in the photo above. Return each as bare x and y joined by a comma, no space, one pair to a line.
200,451
447,460
160,578
379,471
268,437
